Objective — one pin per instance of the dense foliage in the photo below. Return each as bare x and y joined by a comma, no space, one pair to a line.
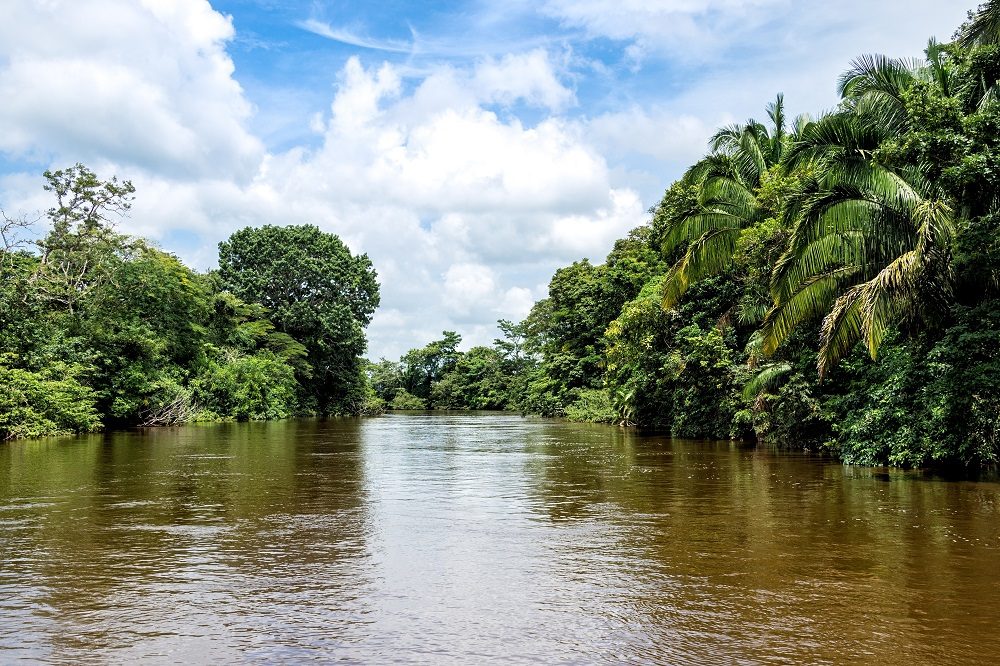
829,283
315,292
98,328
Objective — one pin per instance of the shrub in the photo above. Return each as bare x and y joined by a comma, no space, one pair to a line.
40,404
593,406
248,388
406,400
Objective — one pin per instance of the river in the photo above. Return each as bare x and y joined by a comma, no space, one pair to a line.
468,538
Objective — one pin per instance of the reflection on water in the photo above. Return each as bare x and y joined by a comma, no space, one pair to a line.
463,538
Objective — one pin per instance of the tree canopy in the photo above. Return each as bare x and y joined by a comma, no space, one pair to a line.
315,291
99,329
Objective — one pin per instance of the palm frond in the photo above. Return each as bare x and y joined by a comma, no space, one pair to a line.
776,112
983,27
710,254
726,193
834,137
813,297
841,329
876,72
765,380
693,227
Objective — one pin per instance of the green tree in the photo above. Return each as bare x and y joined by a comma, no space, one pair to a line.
569,330
478,380
317,292
252,387
81,251
385,378
145,329
39,404
727,181
872,245
422,367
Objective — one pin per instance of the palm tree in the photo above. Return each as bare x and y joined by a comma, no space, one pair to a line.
870,248
875,85
729,177
870,242
983,26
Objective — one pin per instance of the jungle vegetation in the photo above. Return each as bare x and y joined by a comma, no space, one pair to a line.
100,329
828,283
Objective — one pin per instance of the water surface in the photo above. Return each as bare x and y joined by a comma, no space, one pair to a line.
463,538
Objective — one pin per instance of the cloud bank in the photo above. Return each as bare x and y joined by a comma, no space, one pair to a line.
466,180
464,209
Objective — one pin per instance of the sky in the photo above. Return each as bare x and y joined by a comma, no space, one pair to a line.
470,148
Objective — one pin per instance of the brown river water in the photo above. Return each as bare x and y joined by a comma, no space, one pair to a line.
466,538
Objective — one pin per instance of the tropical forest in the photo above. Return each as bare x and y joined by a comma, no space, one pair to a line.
828,283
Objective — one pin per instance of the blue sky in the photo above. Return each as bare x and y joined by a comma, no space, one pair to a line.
470,148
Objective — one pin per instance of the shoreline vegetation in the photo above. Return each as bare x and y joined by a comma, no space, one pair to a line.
827,283
103,330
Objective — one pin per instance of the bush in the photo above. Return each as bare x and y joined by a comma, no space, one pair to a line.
248,388
406,400
962,399
927,403
877,420
593,406
372,406
171,404
703,398
40,404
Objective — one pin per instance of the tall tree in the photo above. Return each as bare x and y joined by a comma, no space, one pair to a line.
872,235
81,250
317,292
728,181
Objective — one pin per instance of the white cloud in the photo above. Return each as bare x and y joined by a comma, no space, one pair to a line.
654,132
465,208
707,30
516,303
458,207
145,84
352,39
468,286
583,234
528,76
682,27
723,60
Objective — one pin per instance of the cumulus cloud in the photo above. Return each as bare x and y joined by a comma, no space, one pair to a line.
465,201
528,76
459,207
146,84
717,61
468,286
654,131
